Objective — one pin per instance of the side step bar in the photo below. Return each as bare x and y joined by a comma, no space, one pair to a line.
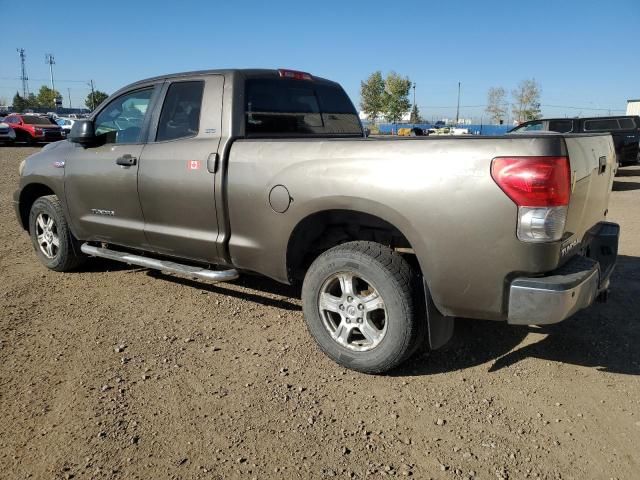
164,265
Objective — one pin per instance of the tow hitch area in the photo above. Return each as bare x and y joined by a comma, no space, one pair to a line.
603,296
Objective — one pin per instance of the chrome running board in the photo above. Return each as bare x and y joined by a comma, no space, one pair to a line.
163,265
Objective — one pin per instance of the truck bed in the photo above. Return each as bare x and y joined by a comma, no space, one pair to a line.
437,191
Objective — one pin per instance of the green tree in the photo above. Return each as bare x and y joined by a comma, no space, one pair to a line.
496,107
415,115
526,101
396,97
372,96
19,103
94,99
47,97
32,101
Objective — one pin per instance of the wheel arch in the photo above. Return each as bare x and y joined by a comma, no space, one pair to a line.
323,229
28,195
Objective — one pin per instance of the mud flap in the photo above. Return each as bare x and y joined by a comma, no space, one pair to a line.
440,327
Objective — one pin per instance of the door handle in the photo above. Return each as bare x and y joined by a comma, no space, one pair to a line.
126,160
602,165
212,162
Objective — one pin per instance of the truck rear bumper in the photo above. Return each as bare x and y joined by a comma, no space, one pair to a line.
574,286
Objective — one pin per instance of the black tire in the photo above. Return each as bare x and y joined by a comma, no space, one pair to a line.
389,275
67,256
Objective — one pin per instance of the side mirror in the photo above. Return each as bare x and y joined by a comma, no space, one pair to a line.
83,132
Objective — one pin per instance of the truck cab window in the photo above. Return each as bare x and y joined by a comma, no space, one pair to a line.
121,120
530,127
561,126
283,107
180,116
603,125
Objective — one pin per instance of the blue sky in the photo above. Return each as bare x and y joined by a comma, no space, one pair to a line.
584,54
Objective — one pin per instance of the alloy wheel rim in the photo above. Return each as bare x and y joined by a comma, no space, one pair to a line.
47,235
352,311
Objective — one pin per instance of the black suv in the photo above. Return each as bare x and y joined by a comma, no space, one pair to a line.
625,131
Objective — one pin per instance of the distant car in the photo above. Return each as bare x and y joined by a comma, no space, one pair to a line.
66,123
7,135
625,131
34,128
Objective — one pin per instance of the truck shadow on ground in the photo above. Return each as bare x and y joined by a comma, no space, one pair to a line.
254,289
628,172
605,337
625,186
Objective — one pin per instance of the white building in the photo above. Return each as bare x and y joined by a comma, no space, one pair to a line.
633,107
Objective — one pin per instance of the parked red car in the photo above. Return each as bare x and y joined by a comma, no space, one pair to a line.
34,128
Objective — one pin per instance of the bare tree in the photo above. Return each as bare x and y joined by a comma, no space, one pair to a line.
526,101
496,106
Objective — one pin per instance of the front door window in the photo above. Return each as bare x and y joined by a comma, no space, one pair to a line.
121,121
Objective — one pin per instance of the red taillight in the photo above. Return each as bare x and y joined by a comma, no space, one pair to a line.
534,181
294,74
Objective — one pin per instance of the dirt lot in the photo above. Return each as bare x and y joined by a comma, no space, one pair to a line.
117,372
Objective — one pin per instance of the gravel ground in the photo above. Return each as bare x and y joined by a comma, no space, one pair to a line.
119,372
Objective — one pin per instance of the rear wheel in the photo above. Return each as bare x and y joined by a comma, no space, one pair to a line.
359,306
52,240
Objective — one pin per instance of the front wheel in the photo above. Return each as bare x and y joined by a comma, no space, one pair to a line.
358,301
52,240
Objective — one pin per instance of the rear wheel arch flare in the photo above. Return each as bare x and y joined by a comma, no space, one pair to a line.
325,229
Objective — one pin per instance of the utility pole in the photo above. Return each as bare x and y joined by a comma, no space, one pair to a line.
48,58
69,92
414,100
458,108
93,96
23,76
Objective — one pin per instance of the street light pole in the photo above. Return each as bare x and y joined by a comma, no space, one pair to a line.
414,103
458,108
48,58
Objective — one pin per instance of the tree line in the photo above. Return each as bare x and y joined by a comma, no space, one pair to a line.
388,98
525,102
46,98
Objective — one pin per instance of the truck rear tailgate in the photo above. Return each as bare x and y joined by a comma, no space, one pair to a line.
593,166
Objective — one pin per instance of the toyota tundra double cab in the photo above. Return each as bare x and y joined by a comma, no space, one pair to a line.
213,174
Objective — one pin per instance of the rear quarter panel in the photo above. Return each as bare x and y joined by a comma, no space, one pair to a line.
437,191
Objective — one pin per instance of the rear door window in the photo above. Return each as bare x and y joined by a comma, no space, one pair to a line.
601,125
561,126
286,107
180,116
626,123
